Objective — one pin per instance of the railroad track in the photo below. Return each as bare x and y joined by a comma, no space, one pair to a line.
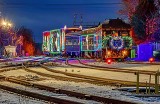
104,68
147,63
9,69
102,81
89,79
82,78
10,66
69,93
37,95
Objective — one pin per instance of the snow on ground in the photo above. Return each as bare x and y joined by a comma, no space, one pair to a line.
128,66
42,70
104,91
8,98
19,72
43,92
104,74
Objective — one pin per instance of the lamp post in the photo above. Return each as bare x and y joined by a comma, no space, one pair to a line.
5,27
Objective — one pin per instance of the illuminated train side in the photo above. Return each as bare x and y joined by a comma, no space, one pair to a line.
118,47
89,43
45,45
106,43
116,39
103,42
54,41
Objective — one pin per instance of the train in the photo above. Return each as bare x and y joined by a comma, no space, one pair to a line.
111,39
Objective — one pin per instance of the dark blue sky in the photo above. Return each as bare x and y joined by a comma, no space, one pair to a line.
41,15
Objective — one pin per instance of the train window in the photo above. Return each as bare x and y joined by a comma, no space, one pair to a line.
45,38
76,42
66,42
73,42
70,42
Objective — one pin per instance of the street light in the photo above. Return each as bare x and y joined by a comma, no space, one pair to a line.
5,27
6,24
9,24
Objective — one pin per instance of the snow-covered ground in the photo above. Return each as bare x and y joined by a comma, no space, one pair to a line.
8,98
110,74
105,91
47,93
128,66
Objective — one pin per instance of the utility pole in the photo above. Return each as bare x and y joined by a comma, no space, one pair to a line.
75,19
79,22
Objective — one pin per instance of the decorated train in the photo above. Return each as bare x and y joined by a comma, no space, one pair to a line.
112,39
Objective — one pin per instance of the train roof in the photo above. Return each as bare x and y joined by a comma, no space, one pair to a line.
115,24
74,34
89,31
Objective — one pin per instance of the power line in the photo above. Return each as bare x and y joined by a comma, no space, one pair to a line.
52,4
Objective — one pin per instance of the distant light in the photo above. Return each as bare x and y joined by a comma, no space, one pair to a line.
80,27
124,52
65,27
109,53
151,60
9,24
108,61
4,23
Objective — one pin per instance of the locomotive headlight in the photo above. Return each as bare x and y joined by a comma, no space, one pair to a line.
109,53
124,52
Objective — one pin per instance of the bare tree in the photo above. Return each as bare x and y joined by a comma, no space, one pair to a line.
25,40
128,8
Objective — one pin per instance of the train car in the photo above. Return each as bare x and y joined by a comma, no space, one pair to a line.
51,42
54,41
55,38
66,31
112,39
45,45
72,46
118,48
116,39
91,43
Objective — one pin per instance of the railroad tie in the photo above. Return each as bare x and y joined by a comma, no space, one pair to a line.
57,90
87,97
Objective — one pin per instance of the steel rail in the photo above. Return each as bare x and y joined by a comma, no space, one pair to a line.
69,93
92,79
38,96
104,68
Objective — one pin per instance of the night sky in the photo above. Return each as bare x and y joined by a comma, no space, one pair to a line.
41,15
